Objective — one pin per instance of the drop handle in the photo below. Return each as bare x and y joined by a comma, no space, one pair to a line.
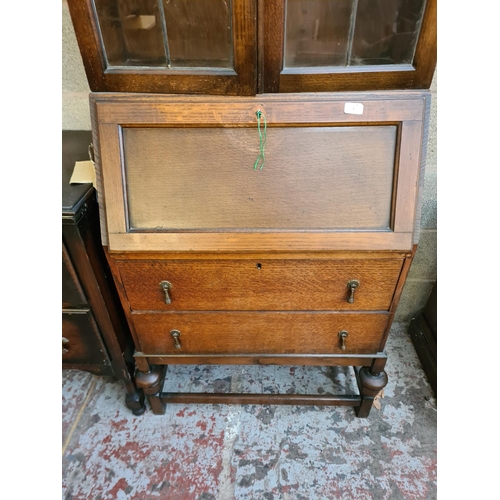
176,335
65,341
343,335
166,286
352,285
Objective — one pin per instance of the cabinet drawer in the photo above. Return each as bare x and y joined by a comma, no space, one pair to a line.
253,285
259,333
72,293
81,339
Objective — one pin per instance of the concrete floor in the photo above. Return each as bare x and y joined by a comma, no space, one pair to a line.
208,452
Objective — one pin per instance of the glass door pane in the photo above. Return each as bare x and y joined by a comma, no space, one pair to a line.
351,32
199,33
386,31
166,33
317,32
131,32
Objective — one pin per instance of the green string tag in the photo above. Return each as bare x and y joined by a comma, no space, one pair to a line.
262,141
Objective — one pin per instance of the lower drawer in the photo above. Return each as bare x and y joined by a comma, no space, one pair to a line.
259,333
82,344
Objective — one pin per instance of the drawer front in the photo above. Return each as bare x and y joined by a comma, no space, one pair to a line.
72,293
259,333
251,285
81,340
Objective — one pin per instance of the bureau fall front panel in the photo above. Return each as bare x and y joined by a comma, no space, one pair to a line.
313,178
259,332
184,174
264,284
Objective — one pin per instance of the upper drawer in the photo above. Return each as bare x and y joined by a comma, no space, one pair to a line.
253,285
335,172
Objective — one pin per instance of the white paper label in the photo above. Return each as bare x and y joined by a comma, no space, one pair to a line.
353,108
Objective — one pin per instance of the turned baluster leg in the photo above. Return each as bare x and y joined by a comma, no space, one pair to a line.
134,398
370,383
151,382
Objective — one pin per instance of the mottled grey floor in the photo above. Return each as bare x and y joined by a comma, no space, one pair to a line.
208,452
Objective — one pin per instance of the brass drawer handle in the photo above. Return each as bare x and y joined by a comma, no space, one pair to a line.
343,335
352,285
175,335
64,342
166,286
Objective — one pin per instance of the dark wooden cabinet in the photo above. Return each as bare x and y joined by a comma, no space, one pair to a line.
245,47
423,333
95,335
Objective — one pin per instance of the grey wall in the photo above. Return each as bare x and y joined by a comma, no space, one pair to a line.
75,116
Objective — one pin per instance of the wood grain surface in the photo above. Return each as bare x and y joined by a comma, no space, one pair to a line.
417,75
72,293
313,178
339,255
262,359
260,242
259,333
85,344
242,80
264,284
353,189
259,399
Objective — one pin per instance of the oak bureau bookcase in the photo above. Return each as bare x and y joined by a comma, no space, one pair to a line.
259,171
300,262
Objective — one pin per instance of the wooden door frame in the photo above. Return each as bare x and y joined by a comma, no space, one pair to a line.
273,78
242,80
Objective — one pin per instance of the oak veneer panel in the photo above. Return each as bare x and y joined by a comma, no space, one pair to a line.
262,359
408,183
291,109
266,284
110,154
285,113
313,178
259,333
260,242
258,256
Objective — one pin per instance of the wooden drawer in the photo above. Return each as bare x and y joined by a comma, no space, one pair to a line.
81,339
259,333
72,293
253,285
